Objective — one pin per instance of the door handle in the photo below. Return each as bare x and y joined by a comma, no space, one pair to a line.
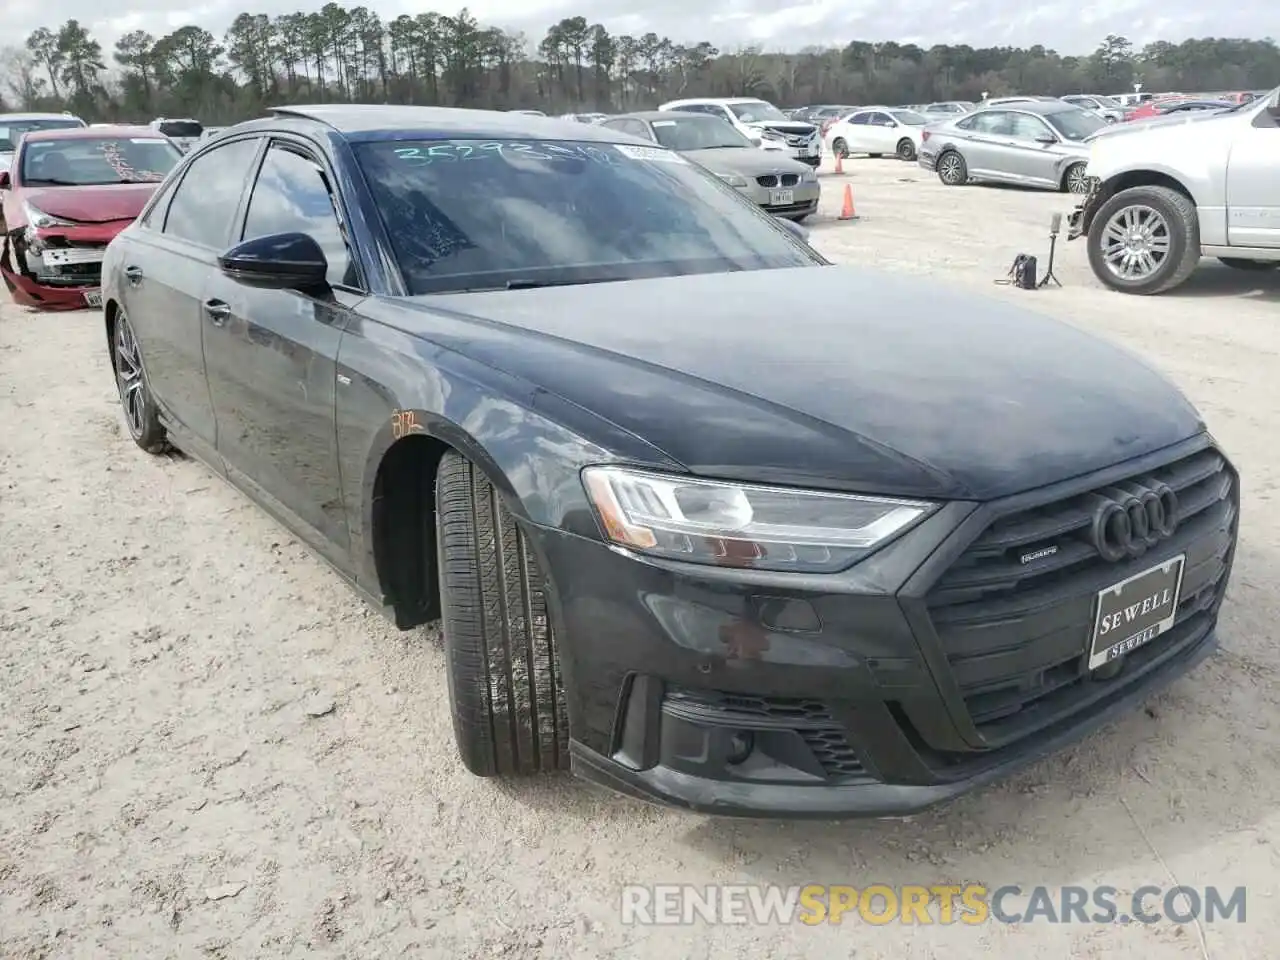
133,275
217,312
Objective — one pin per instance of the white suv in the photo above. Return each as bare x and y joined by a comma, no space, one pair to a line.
766,125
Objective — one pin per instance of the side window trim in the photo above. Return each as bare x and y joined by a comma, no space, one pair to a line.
244,190
302,149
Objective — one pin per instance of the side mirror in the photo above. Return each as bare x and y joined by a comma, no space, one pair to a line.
5,182
1046,139
281,261
800,231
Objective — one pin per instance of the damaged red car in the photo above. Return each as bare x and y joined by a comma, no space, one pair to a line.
66,196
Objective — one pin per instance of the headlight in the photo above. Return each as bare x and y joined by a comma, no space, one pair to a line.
732,179
809,176
39,219
743,525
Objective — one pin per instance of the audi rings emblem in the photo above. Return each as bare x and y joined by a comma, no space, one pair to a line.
1130,518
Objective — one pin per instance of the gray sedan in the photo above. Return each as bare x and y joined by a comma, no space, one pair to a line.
782,186
1032,143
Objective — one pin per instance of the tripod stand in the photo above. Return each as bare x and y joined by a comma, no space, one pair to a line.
1055,225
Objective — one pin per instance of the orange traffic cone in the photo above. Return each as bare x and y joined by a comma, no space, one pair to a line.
846,210
839,163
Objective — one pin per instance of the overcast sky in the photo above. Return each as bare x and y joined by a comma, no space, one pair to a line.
777,24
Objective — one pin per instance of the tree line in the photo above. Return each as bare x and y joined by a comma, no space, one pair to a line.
351,54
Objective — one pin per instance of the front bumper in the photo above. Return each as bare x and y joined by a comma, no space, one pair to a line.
882,690
782,196
57,268
1079,219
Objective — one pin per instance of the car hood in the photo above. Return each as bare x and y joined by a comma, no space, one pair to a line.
911,389
792,127
747,161
1145,124
99,204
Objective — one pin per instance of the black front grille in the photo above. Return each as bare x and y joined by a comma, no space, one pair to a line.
1015,613
774,180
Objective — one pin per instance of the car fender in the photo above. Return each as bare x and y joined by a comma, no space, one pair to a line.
393,386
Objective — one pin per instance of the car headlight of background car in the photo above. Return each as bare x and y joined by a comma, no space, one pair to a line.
732,179
41,220
743,525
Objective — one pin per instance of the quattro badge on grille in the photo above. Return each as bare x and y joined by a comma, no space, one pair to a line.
1040,554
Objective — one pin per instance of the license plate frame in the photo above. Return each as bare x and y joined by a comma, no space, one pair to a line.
1119,609
781,198
73,256
93,298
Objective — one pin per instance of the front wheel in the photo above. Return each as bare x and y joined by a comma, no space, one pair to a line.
1076,179
906,150
505,688
1235,263
1144,240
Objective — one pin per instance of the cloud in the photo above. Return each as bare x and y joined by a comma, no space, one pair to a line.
1070,28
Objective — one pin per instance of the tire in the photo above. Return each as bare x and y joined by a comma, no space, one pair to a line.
1181,228
505,688
839,148
1256,266
952,170
1074,179
141,415
906,150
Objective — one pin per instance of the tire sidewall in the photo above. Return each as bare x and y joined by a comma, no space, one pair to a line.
1154,197
906,150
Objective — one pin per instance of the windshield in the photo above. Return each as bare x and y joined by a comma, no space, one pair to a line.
1075,124
478,214
698,133
97,161
753,111
180,128
12,130
910,118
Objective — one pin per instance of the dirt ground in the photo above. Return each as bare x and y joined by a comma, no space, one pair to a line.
209,748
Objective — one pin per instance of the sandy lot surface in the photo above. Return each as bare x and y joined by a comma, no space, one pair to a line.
208,748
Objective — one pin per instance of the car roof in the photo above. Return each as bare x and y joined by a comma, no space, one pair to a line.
92,133
9,117
356,121
1053,105
665,115
674,103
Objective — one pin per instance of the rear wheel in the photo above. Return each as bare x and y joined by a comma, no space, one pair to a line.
839,148
136,402
906,149
1144,240
1075,179
505,688
1236,263
952,169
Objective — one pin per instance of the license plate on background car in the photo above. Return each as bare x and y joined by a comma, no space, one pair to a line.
93,298
1135,611
778,198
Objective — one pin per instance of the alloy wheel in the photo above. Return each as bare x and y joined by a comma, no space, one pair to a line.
1135,242
949,167
129,380
1078,179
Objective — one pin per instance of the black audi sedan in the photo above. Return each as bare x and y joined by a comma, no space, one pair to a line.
544,382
